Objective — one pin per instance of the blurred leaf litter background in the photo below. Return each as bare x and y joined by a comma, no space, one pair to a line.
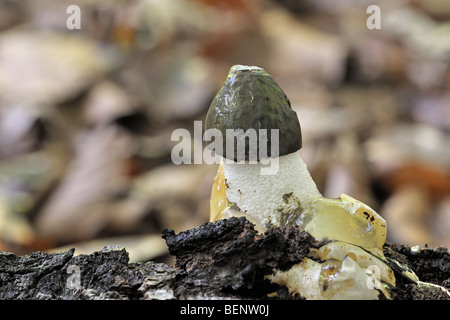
86,115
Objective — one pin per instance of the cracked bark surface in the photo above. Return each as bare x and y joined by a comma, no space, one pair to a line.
105,274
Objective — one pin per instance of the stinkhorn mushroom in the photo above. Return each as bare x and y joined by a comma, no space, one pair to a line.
266,180
251,100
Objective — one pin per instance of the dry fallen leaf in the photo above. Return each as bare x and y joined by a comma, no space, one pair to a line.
299,50
407,212
76,208
49,67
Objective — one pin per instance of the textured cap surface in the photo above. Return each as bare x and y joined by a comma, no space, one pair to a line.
251,99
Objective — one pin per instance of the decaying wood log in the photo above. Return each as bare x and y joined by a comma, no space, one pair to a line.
227,259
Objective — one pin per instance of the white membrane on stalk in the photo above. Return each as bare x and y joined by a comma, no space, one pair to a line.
270,198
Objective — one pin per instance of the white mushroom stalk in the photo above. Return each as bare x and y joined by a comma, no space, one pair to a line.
270,200
352,234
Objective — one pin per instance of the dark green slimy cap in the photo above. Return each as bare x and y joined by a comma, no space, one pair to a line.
251,99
